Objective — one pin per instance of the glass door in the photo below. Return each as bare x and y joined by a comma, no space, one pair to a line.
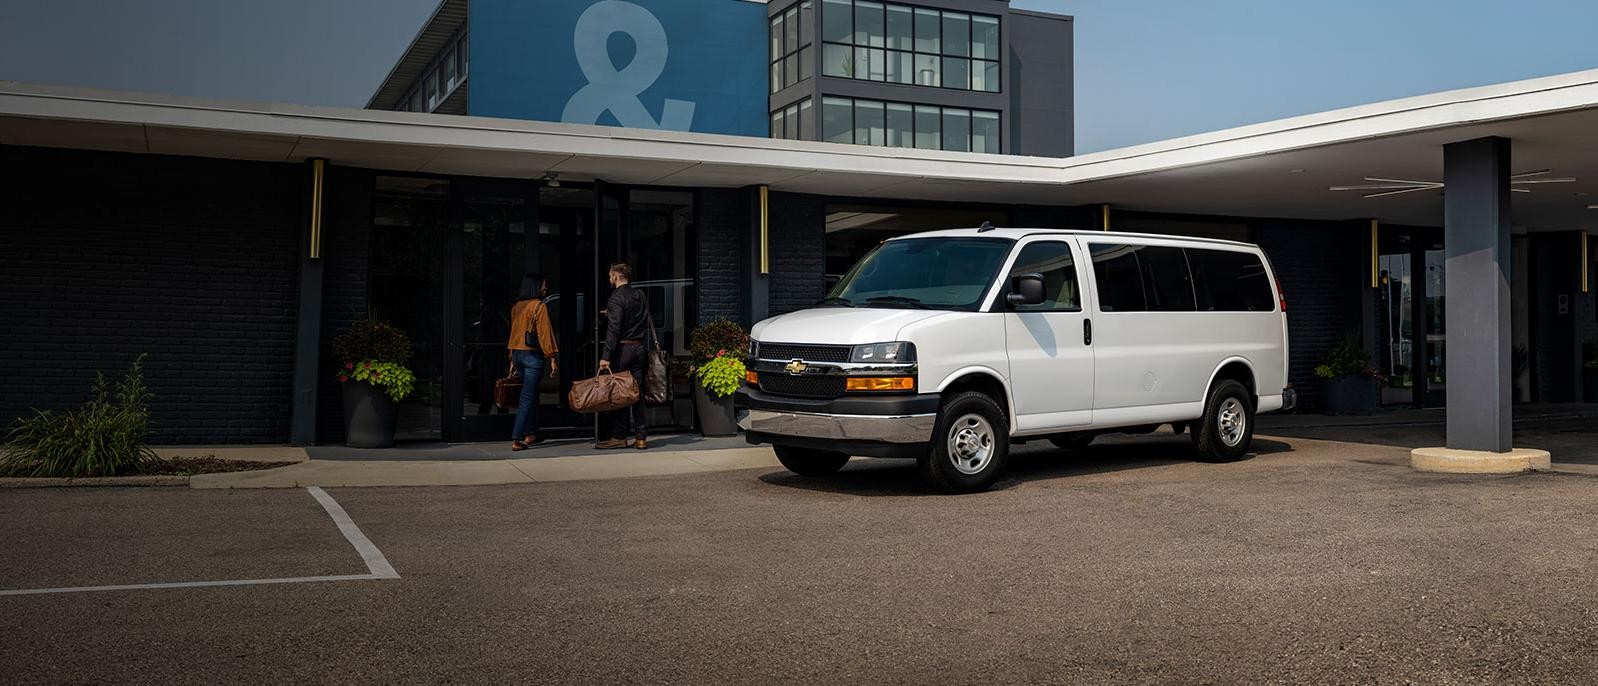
410,223
563,253
1410,332
486,256
1397,325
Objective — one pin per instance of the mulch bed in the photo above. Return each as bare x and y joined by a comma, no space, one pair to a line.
209,464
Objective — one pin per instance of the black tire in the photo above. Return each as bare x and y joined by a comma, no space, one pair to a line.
979,426
808,462
1076,440
1218,438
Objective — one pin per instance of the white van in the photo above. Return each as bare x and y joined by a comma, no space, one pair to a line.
948,346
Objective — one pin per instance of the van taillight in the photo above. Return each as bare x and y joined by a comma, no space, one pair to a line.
1282,298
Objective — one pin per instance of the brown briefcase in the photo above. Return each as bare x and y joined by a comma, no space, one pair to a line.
508,391
603,393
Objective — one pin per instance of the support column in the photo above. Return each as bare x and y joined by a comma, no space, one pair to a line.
1477,261
757,257
308,322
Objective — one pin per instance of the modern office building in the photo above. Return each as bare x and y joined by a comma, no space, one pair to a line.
963,75
230,240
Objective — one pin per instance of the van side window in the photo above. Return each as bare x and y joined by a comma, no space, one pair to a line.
1051,259
1229,281
1142,278
1166,278
1117,278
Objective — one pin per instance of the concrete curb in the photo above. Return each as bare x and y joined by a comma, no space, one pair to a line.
95,481
618,465
1454,461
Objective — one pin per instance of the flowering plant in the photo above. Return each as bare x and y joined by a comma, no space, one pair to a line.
717,338
375,351
1348,358
394,379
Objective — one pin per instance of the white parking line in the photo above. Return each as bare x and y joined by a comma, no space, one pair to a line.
377,566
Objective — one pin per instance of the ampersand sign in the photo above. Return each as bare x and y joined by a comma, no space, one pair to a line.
617,90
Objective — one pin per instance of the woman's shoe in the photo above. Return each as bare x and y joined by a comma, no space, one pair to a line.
611,444
517,446
641,444
531,441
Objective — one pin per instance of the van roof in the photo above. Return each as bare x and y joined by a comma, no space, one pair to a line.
1018,233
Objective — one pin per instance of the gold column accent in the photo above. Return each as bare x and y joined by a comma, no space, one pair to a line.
1104,217
765,252
1375,260
318,172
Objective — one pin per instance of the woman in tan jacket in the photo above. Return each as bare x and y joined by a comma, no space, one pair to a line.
531,345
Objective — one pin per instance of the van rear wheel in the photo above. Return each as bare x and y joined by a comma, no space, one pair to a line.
809,462
969,446
1227,428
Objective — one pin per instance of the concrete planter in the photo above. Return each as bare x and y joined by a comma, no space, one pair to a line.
716,415
1352,394
368,416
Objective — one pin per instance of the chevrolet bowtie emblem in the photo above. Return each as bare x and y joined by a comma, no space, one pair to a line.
796,367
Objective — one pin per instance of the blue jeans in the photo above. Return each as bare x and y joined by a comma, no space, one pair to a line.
531,364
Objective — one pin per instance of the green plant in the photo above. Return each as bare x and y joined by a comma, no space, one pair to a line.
717,338
1347,358
103,437
372,339
394,379
721,376
375,351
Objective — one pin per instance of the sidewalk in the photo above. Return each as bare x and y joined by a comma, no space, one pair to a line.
480,472
473,464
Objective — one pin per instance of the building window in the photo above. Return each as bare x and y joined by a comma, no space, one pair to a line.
791,36
875,41
903,125
792,121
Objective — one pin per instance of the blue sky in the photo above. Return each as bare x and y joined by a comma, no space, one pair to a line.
1145,69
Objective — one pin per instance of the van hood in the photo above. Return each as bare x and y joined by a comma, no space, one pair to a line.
840,325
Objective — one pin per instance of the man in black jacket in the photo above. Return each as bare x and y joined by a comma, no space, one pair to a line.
625,333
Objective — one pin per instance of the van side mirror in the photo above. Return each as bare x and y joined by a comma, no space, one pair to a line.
1026,289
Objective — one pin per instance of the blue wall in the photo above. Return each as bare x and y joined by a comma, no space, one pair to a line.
686,65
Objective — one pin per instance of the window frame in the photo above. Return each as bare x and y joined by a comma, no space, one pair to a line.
787,68
917,110
915,53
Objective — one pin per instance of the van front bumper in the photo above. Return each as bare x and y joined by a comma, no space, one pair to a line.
886,426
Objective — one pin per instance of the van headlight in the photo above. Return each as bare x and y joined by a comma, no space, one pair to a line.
884,353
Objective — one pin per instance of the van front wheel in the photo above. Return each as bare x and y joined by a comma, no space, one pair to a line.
969,445
807,462
1227,428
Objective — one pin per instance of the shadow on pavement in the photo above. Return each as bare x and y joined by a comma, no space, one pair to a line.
1033,462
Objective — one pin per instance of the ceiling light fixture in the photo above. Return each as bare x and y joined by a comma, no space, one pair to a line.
1385,186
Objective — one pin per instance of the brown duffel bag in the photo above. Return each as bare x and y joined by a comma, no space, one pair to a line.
603,393
508,391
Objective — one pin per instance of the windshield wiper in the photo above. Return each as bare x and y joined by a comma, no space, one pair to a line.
896,300
842,302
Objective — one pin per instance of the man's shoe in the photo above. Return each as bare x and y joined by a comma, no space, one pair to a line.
611,444
641,444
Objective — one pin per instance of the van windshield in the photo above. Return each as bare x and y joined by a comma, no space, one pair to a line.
923,273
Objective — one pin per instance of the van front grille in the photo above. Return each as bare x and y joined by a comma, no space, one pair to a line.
807,386
808,353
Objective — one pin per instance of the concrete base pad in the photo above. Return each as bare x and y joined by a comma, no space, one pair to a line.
1451,461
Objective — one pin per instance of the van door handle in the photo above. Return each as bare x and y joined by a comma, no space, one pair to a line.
1087,332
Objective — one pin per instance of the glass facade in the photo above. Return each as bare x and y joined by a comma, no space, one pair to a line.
904,125
439,80
876,41
792,122
792,33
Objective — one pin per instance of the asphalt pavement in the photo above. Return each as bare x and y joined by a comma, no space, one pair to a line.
1312,562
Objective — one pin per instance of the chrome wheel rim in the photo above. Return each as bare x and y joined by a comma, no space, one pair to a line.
970,443
1231,422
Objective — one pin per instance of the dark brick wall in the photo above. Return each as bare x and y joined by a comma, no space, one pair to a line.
192,261
1319,267
347,226
796,235
723,221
